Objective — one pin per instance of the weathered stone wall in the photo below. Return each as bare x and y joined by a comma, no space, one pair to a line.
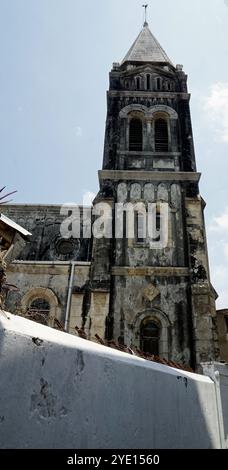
222,317
129,281
44,266
202,294
44,222
48,281
164,298
184,303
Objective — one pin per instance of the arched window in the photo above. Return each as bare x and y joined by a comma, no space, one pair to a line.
39,310
137,83
161,136
148,82
41,304
135,135
149,337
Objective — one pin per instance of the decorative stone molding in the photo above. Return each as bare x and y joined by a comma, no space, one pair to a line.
149,113
150,271
46,294
121,175
163,109
151,293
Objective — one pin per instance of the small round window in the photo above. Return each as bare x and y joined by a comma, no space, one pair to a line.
64,247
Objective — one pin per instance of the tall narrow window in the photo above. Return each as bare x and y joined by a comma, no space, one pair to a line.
137,83
140,226
159,85
148,82
161,136
135,135
149,337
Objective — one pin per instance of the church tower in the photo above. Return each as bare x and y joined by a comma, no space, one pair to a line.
159,298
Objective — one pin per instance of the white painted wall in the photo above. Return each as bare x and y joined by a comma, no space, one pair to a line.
60,391
219,374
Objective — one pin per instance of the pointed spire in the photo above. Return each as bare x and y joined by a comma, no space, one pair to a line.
146,48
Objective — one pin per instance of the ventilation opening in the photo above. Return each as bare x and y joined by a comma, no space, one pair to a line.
148,82
159,84
135,136
138,83
161,136
149,338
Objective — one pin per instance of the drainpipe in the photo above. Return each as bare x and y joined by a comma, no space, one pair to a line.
69,296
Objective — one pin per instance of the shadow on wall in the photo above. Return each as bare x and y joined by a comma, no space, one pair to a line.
64,392
224,400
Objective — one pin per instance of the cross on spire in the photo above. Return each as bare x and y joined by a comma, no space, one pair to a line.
145,6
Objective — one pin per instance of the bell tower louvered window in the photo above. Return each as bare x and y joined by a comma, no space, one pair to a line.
161,136
135,135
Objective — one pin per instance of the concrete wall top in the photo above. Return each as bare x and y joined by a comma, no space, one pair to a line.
60,391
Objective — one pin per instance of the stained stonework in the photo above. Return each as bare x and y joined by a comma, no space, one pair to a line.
222,316
150,293
113,287
169,287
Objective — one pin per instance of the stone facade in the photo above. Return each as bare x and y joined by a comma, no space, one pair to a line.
222,316
49,267
114,287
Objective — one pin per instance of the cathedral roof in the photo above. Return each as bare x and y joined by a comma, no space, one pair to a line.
146,48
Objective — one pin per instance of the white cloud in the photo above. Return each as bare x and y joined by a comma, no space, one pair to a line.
88,198
218,249
226,250
78,131
219,277
216,105
220,223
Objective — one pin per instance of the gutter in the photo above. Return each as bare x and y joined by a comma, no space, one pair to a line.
69,295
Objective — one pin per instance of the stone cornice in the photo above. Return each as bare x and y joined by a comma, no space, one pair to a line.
120,175
148,154
150,271
148,95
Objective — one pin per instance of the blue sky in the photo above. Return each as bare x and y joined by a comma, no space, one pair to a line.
55,60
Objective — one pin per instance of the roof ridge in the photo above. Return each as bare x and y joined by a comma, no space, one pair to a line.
146,48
